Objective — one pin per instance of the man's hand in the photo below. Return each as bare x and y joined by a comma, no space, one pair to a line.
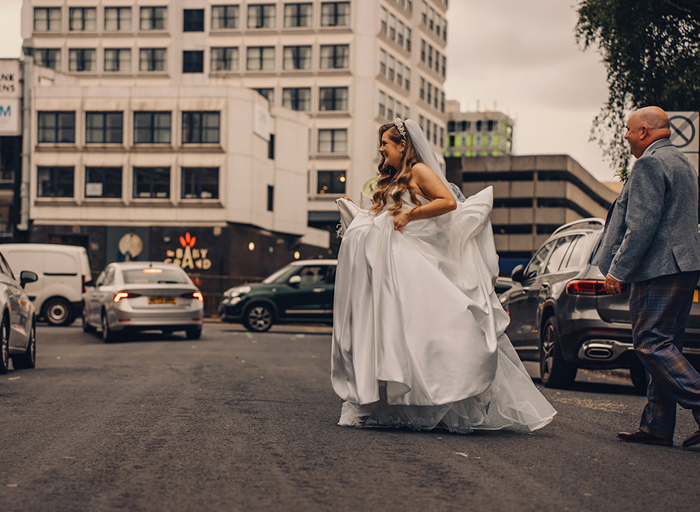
612,285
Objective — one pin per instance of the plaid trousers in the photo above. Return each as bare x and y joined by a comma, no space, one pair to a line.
659,309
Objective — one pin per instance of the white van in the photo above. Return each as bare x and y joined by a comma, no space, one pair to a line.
63,271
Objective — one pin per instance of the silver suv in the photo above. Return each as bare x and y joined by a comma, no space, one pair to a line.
561,315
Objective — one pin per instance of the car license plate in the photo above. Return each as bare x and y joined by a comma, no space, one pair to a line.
695,296
162,300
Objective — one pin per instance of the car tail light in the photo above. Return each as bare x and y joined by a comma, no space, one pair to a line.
125,295
84,287
586,288
193,295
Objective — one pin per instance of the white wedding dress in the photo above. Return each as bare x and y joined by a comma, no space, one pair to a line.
418,331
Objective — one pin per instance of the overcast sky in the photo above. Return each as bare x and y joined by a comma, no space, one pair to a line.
520,56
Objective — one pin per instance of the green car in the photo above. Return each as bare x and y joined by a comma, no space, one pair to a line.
301,292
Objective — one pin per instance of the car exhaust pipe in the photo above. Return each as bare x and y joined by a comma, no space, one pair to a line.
603,350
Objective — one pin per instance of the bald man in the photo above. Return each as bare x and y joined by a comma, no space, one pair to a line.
651,242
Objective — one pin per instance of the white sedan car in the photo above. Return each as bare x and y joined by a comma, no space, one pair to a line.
143,296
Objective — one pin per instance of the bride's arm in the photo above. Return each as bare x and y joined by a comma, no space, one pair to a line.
441,199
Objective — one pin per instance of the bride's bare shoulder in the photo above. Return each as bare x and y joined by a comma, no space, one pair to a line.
420,169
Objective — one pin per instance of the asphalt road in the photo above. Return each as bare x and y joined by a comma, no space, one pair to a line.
237,421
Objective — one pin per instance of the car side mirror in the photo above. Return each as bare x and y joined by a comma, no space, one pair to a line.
90,284
27,276
517,274
294,281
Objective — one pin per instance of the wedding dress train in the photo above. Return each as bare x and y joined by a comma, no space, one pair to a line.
418,331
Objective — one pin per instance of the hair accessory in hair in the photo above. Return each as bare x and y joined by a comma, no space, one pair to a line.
400,127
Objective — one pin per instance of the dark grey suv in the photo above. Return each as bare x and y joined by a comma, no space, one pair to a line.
561,315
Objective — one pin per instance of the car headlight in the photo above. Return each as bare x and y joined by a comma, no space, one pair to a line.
236,291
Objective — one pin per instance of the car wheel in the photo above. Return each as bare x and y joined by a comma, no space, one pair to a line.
554,371
193,333
639,376
4,348
28,359
108,335
258,318
87,327
57,311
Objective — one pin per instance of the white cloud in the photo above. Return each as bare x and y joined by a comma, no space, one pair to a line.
523,56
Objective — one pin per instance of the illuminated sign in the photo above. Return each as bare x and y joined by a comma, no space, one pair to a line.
188,256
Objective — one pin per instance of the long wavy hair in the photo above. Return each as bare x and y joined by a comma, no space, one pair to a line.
394,182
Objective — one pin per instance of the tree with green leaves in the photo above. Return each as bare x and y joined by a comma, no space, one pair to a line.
651,49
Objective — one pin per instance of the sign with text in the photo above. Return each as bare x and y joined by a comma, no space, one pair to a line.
10,115
10,86
10,95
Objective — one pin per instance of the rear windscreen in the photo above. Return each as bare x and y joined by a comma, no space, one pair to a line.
155,276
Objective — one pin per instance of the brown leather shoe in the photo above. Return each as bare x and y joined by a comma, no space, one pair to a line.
643,438
693,439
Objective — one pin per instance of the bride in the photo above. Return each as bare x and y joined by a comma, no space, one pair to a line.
418,332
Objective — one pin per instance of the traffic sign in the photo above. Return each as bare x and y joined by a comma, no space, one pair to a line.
685,130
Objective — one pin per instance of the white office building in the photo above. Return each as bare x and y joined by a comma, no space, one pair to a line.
349,65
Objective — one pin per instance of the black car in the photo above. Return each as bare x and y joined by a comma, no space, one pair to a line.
301,292
561,315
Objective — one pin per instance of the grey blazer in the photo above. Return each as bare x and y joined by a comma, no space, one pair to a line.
652,228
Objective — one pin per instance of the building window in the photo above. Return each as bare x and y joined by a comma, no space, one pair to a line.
442,137
423,46
83,19
118,18
330,182
154,18
333,98
193,20
442,102
392,68
55,181
151,127
103,127
384,21
82,60
335,56
200,127
270,198
390,108
193,61
421,122
382,104
297,15
335,14
200,183
399,110
267,93
224,59
382,62
332,141
421,93
224,16
152,59
49,58
430,56
399,74
103,182
392,27
297,99
406,112
261,16
408,39
117,59
57,127
400,33
297,57
437,61
152,182
271,147
47,19
261,58
430,93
